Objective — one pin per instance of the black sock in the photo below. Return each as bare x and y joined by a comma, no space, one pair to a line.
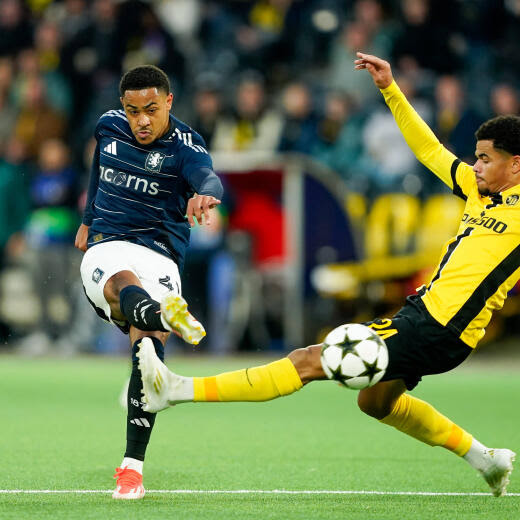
139,309
139,423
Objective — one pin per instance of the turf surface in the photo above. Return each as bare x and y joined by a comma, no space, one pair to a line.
63,429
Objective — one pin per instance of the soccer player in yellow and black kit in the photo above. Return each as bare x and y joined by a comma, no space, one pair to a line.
439,326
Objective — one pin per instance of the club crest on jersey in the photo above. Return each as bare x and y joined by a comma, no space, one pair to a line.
97,275
512,200
154,161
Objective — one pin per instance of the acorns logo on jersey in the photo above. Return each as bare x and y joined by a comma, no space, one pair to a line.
128,181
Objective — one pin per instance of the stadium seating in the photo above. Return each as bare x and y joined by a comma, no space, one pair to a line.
401,237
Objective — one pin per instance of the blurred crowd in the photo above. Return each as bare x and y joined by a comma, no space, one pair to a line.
262,75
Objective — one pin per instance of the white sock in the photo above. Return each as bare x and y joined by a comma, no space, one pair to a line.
182,391
136,465
478,455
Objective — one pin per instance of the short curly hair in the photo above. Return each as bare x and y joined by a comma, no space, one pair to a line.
142,77
504,131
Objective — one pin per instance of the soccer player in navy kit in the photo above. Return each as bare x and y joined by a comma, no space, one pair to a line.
151,179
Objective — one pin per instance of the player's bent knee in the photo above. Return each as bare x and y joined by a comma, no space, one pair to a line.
379,400
117,282
307,363
374,404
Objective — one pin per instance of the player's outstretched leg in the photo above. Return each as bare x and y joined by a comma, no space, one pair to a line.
176,317
422,421
163,388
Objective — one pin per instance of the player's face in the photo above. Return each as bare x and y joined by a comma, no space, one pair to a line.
148,112
495,170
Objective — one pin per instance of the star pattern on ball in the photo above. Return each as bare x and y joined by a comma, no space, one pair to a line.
371,369
337,375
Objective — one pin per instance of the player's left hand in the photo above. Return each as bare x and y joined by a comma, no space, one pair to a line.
200,205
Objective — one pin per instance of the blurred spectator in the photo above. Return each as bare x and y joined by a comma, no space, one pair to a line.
181,18
262,38
455,122
47,43
422,42
300,122
14,207
72,17
15,27
338,142
504,100
388,162
253,124
14,204
50,235
507,55
216,36
92,61
371,15
47,53
207,107
57,91
37,120
8,111
343,77
149,42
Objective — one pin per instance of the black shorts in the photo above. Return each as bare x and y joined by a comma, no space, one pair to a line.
418,345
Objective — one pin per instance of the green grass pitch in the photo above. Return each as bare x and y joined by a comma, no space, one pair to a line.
63,429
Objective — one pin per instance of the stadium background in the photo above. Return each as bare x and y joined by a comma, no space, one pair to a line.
327,218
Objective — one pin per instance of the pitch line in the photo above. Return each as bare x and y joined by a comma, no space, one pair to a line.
249,492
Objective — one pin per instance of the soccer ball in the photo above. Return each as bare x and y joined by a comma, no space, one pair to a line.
354,355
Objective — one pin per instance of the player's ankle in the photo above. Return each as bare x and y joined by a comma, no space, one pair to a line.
140,309
477,455
131,463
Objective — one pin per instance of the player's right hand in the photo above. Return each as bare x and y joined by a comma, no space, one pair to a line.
379,69
200,205
81,238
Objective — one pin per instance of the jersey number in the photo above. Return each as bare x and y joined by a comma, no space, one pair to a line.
381,328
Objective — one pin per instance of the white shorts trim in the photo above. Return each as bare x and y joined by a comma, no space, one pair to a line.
157,273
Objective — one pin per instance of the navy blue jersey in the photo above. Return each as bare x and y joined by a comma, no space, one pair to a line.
139,193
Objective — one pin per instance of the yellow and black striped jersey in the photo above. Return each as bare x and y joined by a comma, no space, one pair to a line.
480,265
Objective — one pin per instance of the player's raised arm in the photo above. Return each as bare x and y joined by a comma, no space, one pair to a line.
208,193
416,132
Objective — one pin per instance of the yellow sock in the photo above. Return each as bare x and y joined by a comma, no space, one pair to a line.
251,384
422,421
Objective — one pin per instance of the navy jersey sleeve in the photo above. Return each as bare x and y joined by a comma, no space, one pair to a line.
197,169
92,188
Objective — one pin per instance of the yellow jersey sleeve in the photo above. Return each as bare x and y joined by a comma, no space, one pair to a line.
425,145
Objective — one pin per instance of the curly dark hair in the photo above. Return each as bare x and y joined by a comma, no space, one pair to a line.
504,131
144,76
